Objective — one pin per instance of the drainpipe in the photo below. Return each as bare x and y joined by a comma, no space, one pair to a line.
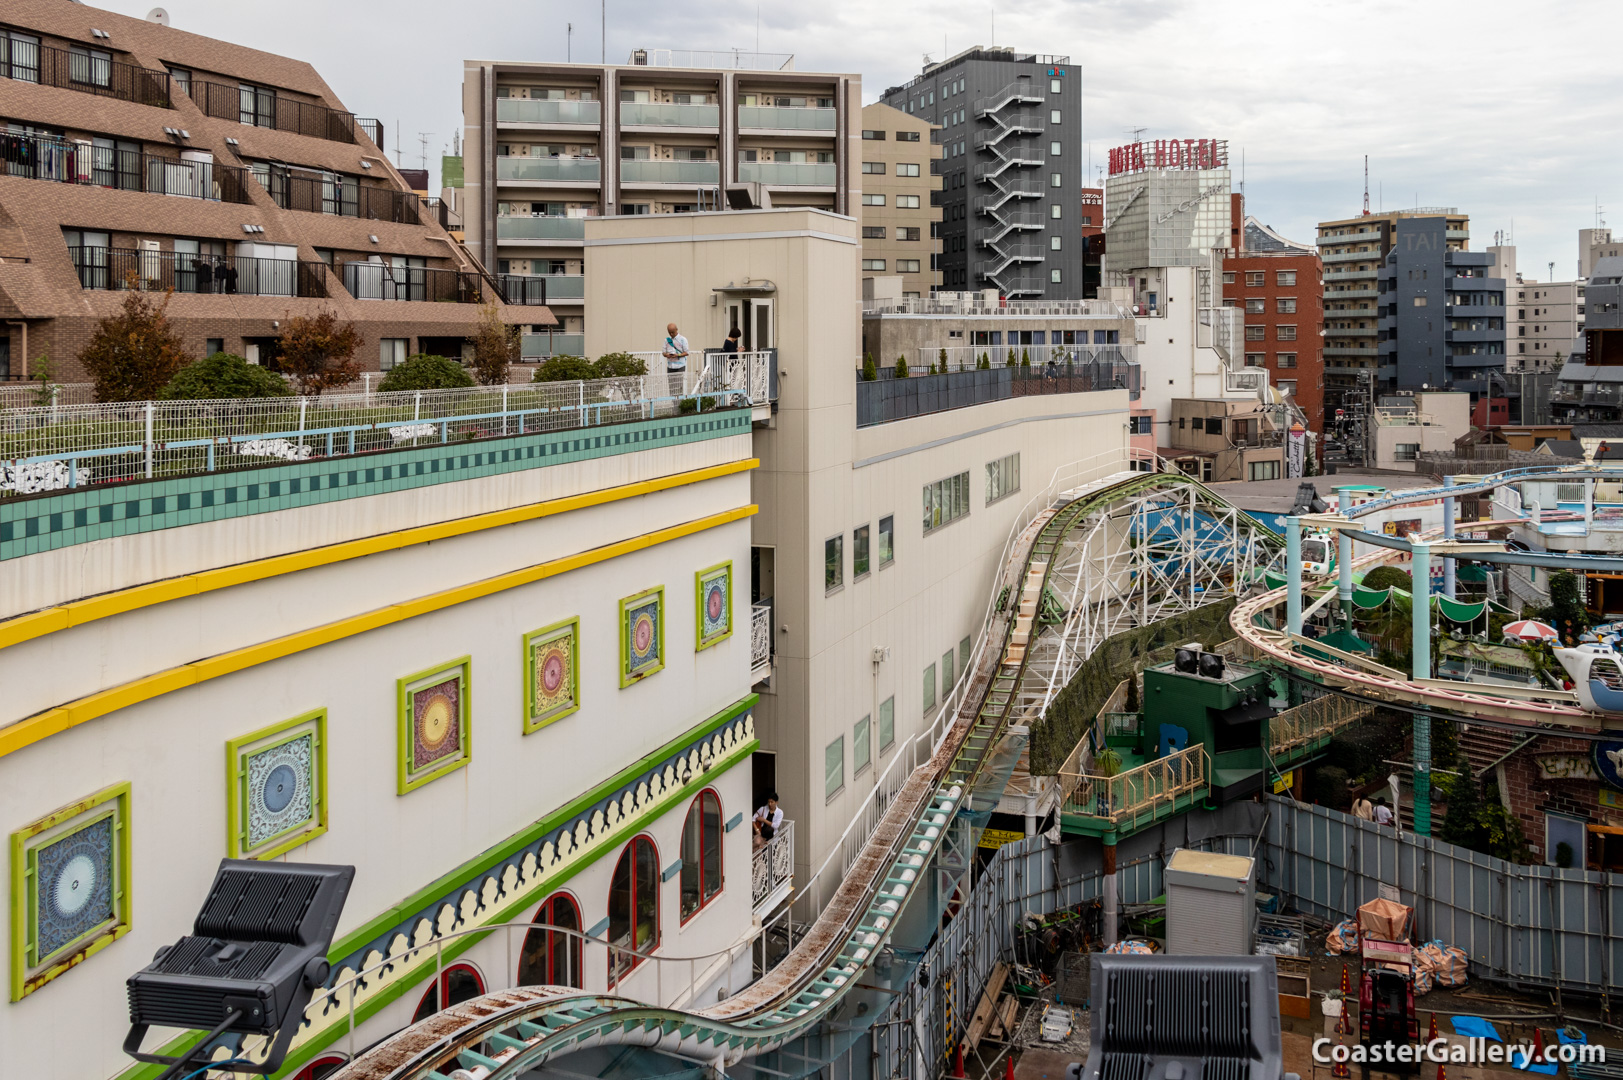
1293,575
1421,669
24,327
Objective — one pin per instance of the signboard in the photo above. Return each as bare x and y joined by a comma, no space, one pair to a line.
1169,154
996,838
1565,767
1612,800
1295,451
1608,760
1401,527
1285,782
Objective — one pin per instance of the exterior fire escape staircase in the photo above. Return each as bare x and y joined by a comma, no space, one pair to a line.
1005,174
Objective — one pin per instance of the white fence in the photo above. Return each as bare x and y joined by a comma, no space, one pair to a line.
772,871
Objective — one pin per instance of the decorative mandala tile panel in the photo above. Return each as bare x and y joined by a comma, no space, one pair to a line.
552,666
643,635
434,718
715,604
278,787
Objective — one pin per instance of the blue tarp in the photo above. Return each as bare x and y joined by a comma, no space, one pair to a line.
1474,1027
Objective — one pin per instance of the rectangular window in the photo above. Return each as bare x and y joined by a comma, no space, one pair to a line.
907,168
19,56
1287,387
907,266
1054,149
1214,425
1255,333
861,749
887,540
1055,276
869,199
1285,277
1056,180
834,768
1053,86
859,553
945,501
94,67
1255,359
1286,332
181,79
874,264
1054,242
1141,425
873,232
887,723
1255,306
963,655
215,345
1002,477
1285,305
947,677
905,202
929,689
1056,211
1228,277
907,232
256,105
1264,470
873,168
1053,117
392,351
907,136
833,563
873,136
1420,301
1286,360
1406,451
1255,279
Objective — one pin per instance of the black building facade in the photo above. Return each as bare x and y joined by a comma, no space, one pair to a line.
1441,318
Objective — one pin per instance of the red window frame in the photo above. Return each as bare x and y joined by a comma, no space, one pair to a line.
442,988
630,856
547,916
695,821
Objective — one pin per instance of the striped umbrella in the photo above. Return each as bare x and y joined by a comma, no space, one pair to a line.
1531,630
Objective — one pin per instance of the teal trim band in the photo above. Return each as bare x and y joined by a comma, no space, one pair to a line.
671,870
600,929
736,820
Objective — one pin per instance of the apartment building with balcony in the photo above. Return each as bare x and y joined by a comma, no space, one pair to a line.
547,146
901,216
1589,388
1216,440
1441,317
1011,167
141,156
1352,251
1276,282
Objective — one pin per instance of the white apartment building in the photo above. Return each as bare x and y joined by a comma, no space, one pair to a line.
1544,320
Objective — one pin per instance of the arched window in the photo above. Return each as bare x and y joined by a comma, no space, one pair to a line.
321,1068
459,983
550,958
633,905
701,853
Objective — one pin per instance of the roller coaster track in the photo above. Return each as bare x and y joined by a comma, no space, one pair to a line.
504,1034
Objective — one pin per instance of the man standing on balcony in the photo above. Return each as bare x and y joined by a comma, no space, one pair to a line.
770,814
676,359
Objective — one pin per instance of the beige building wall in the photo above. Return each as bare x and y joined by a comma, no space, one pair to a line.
896,151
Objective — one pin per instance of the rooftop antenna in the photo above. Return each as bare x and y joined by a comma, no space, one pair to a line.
603,12
1137,133
1366,185
569,43
422,140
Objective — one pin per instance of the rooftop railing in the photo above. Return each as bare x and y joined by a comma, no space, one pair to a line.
888,398
384,281
371,128
342,197
1141,794
261,106
87,71
729,58
65,161
977,304
184,272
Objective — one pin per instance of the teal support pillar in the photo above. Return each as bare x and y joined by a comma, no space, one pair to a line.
1344,561
1449,507
1293,575
1421,669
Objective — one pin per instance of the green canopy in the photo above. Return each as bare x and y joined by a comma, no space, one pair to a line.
1370,598
1273,580
1475,573
1346,642
1455,611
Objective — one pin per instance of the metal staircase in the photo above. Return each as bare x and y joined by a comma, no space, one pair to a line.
1011,155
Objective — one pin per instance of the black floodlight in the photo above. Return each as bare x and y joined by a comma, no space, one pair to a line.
1186,659
256,954
1211,665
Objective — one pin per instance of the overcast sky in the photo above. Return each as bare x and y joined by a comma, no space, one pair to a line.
1510,112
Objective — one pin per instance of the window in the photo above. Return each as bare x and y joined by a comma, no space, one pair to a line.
633,907
1406,451
548,957
1285,277
1053,116
874,264
861,748
1285,305
1054,149
1053,86
1228,277
873,232
1287,387
908,232
1141,425
887,541
887,723
859,553
1054,276
1054,242
833,563
1255,333
1056,211
945,501
701,853
1002,477
906,202
1286,360
907,168
214,345
182,79
1255,306
459,983
1286,332
1255,279
963,655
873,136
946,675
1264,470
256,105
907,266
834,768
929,689
19,56
869,199
873,168
1055,180
93,67
392,351
907,136
1420,301
1214,425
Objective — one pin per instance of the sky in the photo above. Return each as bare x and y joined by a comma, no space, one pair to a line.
1510,112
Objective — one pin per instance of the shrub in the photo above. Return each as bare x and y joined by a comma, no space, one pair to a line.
424,371
319,351
620,365
870,370
986,362
1386,577
1330,787
563,368
901,367
135,353
496,346
1025,358
224,375
942,363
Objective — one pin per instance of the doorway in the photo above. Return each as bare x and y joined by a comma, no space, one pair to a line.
763,777
754,317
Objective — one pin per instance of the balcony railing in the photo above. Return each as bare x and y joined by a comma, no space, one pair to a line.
760,641
579,170
540,228
1299,727
1140,795
371,128
86,73
525,289
540,346
633,171
550,287
76,162
525,111
756,372
383,281
261,106
772,870
977,304
783,118
229,275
648,114
432,209
342,197
888,398
787,173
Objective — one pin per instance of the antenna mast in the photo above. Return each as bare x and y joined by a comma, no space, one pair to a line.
1366,185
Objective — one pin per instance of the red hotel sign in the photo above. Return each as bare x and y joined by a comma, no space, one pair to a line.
1169,154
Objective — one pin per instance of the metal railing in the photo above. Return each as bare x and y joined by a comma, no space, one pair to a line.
772,870
978,304
756,372
87,72
787,173
383,281
760,640
527,111
372,128
1139,794
540,346
33,392
341,196
436,210
1296,727
966,357
67,161
71,446
736,59
887,399
263,106
184,272
785,118
530,289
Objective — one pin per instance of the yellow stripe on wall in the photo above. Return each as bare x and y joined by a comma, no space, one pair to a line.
79,612
44,725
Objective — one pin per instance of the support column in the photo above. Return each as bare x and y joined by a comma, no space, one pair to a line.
1449,510
1293,575
1344,561
1107,889
1421,669
1589,506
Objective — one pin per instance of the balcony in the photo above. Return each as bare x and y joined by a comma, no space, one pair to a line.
788,173
343,196
761,641
646,114
573,113
88,74
772,871
383,281
541,228
222,275
534,289
1351,350
1457,234
550,170
1365,237
1473,335
1350,294
1137,797
889,398
61,161
685,173
260,106
784,118
1349,331
540,346
1348,275
1349,256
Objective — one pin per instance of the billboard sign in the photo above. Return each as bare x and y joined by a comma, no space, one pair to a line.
1169,154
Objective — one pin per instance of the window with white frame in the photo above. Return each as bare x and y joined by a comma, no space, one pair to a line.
945,501
1002,477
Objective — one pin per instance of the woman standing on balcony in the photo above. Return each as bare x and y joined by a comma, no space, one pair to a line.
731,344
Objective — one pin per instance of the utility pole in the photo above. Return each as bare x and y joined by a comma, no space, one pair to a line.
604,12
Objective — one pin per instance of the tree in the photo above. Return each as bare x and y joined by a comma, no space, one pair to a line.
1386,577
901,367
564,368
620,365
1011,357
870,370
495,346
319,351
986,362
1566,611
39,373
943,361
224,375
135,353
425,371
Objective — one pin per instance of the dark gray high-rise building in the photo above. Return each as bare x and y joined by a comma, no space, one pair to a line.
1441,317
1011,168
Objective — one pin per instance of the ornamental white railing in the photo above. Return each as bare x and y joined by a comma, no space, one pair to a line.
760,641
772,870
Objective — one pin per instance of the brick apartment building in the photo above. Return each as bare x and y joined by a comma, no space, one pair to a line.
1278,284
1553,787
138,155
